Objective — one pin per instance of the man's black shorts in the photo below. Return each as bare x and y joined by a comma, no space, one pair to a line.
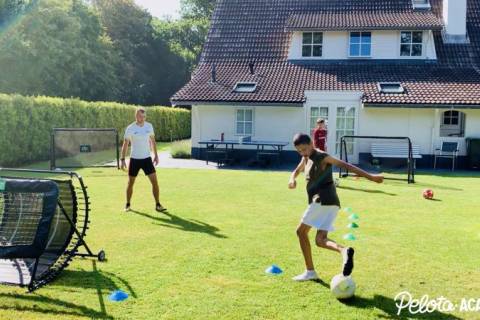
136,164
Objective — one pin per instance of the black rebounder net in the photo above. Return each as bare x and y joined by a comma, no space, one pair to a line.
43,223
84,147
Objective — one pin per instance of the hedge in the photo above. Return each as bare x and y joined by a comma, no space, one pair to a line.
26,123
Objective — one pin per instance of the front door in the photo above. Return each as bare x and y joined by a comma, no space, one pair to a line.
345,124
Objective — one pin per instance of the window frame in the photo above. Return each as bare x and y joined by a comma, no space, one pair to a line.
311,45
310,117
244,109
411,44
360,56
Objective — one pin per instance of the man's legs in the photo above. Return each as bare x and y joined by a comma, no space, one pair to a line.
155,190
323,241
131,182
309,274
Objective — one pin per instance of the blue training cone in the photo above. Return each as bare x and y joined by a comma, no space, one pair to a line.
273,269
118,295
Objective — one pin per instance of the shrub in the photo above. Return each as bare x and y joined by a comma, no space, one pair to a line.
181,149
26,123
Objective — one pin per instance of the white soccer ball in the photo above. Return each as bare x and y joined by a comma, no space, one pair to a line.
342,287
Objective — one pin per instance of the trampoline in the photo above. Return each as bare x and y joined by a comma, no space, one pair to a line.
43,225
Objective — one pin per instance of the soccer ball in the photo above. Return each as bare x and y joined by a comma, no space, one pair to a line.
428,194
342,287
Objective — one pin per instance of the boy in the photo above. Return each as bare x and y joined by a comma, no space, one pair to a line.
320,135
323,203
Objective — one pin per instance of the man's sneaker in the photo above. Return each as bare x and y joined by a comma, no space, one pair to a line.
306,276
127,207
160,208
347,255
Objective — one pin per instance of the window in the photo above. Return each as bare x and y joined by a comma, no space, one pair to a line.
312,44
315,113
421,4
345,127
411,43
390,87
452,124
245,87
244,122
360,44
450,117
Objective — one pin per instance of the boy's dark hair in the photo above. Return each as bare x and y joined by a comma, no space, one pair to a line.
301,138
320,120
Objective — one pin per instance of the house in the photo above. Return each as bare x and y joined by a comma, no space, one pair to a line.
270,68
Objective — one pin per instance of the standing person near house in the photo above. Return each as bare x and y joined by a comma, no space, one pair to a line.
324,203
320,135
141,137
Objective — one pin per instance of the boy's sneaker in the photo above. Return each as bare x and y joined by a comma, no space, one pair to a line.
306,276
347,255
127,207
160,208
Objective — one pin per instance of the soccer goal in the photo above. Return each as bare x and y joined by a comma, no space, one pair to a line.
381,153
84,147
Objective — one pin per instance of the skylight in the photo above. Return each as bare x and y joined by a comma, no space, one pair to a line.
390,87
421,4
244,87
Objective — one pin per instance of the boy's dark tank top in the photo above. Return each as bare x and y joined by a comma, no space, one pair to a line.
320,186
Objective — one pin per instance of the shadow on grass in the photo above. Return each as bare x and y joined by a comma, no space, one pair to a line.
172,221
388,305
102,282
367,190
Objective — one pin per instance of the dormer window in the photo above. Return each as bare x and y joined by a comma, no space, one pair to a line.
245,87
390,87
360,44
312,44
411,43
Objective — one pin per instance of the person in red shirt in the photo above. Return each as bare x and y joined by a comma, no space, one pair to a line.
320,135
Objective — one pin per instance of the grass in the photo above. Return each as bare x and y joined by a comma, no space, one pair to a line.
205,259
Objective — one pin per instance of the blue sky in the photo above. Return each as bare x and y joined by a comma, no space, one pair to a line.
161,8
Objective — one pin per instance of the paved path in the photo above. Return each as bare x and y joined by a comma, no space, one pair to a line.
166,161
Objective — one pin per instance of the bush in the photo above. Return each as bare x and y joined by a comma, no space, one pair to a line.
181,149
26,123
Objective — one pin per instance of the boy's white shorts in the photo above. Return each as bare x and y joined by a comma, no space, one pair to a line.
320,217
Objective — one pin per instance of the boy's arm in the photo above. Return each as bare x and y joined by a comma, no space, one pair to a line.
292,184
350,167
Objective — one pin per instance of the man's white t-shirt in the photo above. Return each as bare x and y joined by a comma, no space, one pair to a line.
139,137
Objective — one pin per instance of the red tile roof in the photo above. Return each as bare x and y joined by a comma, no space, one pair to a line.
243,31
284,82
370,20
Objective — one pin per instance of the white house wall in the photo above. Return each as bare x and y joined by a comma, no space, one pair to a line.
281,123
421,125
270,123
385,45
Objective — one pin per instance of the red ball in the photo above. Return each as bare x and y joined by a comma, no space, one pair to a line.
428,194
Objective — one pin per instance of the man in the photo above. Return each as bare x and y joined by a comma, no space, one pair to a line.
141,137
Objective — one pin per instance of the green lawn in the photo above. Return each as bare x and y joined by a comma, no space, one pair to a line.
206,258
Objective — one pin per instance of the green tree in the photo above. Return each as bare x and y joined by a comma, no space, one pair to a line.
59,48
